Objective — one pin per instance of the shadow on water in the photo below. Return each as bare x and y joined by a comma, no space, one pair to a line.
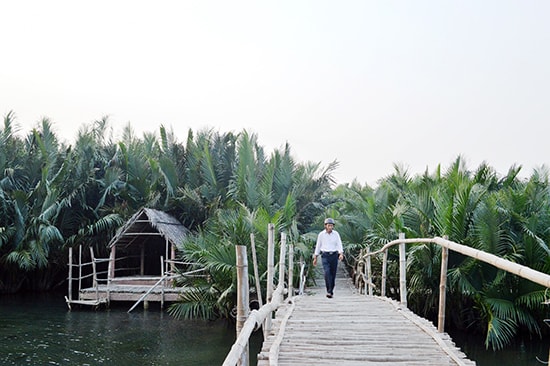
40,330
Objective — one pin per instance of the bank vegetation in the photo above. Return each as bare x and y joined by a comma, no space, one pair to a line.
225,186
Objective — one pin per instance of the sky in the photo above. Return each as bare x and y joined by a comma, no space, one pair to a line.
370,84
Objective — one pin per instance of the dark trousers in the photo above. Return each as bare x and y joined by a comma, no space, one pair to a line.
330,265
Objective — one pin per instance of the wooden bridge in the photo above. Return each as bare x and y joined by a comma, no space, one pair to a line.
354,329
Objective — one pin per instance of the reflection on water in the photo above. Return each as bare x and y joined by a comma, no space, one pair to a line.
39,330
522,353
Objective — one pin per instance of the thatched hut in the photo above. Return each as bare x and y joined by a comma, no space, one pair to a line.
146,241
141,265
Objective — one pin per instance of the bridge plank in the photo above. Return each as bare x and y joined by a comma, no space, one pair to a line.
353,329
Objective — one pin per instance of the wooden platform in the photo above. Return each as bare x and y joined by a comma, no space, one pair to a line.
130,293
353,329
85,302
128,289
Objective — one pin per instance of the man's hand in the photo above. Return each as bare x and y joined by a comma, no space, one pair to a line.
341,256
315,260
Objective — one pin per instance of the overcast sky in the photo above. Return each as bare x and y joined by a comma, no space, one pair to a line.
368,83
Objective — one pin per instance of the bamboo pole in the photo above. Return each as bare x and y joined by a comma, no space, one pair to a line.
255,317
173,257
270,259
242,297
282,256
142,264
270,270
142,298
290,270
542,279
365,278
163,282
79,270
111,271
384,271
442,289
166,255
369,273
276,345
94,273
256,274
517,269
70,289
402,270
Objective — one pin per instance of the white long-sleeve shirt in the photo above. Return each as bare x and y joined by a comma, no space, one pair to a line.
328,242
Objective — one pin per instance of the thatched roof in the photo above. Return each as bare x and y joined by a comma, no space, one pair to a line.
149,221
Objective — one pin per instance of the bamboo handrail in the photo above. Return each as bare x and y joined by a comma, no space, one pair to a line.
515,268
165,277
256,317
238,354
522,271
276,345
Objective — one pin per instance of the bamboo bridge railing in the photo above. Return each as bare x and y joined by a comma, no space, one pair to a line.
446,245
248,321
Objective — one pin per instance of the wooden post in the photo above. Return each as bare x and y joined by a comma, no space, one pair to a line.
163,285
369,272
270,259
142,264
365,275
282,259
242,296
256,273
173,257
270,269
94,273
290,270
70,292
384,270
403,271
111,270
79,270
442,288
166,255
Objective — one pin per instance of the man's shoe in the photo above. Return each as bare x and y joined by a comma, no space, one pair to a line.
329,296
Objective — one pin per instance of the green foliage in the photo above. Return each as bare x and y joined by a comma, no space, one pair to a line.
505,216
226,189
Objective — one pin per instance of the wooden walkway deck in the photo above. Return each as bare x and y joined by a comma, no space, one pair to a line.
353,329
129,289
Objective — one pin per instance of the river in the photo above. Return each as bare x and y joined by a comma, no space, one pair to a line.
40,330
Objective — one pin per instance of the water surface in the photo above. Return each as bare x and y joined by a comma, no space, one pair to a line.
40,330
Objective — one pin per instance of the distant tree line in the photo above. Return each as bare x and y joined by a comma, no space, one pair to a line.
224,187
54,196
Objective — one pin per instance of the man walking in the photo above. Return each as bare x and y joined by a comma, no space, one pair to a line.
329,246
